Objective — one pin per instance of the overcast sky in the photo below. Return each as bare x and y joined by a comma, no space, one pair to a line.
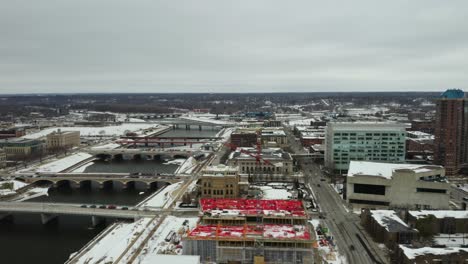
70,46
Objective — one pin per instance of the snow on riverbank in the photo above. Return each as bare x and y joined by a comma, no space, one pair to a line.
59,165
32,193
10,187
114,243
175,161
187,166
163,197
105,131
83,168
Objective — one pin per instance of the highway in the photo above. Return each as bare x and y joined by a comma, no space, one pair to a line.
353,242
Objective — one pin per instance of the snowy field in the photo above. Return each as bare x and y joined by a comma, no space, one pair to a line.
106,131
5,187
59,165
270,193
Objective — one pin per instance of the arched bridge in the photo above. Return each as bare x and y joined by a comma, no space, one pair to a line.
104,181
141,153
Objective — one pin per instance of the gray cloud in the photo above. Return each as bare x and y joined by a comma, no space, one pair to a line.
232,46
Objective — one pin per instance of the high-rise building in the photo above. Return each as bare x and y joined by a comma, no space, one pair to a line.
451,131
363,141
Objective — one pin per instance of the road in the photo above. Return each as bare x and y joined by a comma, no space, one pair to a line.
343,224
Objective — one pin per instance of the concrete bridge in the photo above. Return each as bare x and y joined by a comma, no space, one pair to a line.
49,211
104,181
141,153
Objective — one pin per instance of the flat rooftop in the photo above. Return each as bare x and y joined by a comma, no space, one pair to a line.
440,214
244,207
412,253
248,232
381,169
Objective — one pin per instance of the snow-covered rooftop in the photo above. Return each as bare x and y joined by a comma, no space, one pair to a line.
390,220
412,253
440,214
385,170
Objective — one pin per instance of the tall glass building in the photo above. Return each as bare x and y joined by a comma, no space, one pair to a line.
366,141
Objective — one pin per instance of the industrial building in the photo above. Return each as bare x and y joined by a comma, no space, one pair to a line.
12,132
251,231
278,162
366,141
451,131
389,185
220,182
410,255
63,139
441,221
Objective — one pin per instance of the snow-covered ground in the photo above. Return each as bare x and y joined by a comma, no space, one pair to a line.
59,165
107,146
158,244
10,187
32,193
271,193
329,252
105,131
83,168
113,244
175,161
187,166
206,119
161,198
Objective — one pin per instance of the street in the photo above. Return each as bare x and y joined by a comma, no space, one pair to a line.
353,242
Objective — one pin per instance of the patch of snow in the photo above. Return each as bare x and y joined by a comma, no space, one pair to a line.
161,198
59,165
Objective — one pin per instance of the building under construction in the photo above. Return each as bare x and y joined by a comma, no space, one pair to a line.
251,231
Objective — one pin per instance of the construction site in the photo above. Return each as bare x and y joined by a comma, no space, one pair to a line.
251,231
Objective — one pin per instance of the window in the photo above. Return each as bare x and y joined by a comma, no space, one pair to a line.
431,190
357,201
369,189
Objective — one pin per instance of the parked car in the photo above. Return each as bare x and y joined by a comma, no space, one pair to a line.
92,206
83,206
111,207
102,207
124,208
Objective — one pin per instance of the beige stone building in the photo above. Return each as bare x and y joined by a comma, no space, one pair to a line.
63,139
220,182
2,159
281,162
277,136
400,186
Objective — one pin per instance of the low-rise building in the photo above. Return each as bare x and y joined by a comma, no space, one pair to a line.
63,139
21,147
220,182
12,132
244,138
411,255
389,185
440,221
278,162
3,159
251,231
276,135
386,227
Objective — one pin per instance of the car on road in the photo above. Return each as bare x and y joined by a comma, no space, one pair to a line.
124,208
83,206
318,184
92,206
102,207
351,247
322,179
465,199
111,207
